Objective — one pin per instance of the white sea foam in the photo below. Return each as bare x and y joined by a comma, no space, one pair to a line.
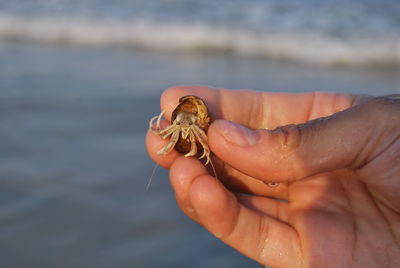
382,50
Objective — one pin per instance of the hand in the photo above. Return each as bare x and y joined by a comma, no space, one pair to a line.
340,175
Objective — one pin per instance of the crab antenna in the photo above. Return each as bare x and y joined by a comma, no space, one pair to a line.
151,177
213,168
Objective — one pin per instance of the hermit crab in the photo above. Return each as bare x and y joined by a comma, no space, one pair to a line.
189,124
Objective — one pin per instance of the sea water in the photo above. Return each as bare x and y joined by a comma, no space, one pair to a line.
79,81
349,32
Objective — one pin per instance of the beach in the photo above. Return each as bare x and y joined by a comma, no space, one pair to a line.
74,116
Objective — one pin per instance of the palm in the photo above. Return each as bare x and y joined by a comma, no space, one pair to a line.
332,215
324,212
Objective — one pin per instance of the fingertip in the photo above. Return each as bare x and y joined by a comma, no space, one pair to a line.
216,207
153,144
233,134
205,192
183,172
242,148
170,97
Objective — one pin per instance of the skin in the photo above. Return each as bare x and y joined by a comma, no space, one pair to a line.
339,174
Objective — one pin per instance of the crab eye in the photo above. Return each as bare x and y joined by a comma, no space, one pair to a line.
178,123
190,123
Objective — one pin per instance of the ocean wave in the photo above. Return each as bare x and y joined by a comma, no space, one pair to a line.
381,50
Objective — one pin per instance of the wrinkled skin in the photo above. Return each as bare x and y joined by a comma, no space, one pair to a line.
340,176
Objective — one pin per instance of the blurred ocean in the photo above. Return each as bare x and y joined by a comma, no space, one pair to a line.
333,32
79,81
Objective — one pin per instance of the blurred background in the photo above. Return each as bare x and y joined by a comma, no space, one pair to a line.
79,81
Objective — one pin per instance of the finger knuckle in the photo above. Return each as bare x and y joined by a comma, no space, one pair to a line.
384,110
289,137
385,103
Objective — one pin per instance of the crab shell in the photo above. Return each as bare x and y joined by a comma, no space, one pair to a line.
196,106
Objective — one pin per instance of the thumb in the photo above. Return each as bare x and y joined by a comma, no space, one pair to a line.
343,140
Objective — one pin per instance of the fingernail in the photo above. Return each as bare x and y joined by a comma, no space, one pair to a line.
236,134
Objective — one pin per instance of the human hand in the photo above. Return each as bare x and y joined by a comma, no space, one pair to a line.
340,175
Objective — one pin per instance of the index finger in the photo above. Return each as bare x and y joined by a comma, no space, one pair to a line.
255,109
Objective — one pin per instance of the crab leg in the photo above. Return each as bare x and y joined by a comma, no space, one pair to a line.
158,117
193,146
202,138
168,131
165,132
200,134
151,123
168,148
